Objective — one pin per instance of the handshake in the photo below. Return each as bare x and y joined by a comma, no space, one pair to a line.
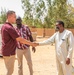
34,44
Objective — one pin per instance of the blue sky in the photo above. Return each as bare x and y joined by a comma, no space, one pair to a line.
16,6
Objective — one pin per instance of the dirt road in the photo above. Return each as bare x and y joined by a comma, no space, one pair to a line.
44,62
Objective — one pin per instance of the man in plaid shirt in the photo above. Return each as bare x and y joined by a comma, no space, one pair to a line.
23,49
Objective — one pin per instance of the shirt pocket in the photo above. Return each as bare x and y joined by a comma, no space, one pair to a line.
63,43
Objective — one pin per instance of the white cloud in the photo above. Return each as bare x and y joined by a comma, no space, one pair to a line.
12,5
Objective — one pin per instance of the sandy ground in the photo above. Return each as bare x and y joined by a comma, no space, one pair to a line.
43,59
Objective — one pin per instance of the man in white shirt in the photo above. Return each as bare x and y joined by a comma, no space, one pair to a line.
64,48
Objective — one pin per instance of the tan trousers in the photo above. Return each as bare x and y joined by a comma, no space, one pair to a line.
9,63
27,54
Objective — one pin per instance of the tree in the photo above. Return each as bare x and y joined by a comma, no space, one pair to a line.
3,15
49,19
57,10
27,7
33,12
43,13
70,17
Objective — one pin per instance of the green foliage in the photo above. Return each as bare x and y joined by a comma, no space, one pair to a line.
42,13
3,16
33,12
28,18
70,17
27,21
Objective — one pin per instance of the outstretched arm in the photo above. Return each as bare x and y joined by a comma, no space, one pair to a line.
49,40
24,41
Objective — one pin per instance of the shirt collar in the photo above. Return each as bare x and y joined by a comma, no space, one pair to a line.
9,24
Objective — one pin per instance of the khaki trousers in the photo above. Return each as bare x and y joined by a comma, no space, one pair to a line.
9,63
27,54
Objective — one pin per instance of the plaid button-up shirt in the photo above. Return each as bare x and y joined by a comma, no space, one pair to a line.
23,32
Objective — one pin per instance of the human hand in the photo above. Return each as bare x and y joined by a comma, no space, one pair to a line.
35,44
68,61
34,49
